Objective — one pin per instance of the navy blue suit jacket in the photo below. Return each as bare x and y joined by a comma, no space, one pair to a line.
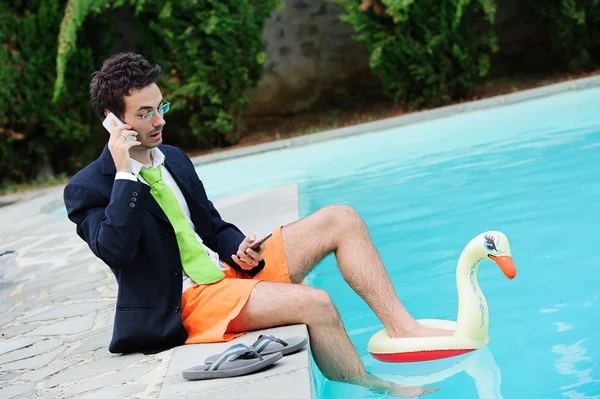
125,227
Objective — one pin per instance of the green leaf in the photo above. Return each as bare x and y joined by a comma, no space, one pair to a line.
75,13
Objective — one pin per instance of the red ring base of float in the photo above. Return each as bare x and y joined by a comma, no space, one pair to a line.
422,356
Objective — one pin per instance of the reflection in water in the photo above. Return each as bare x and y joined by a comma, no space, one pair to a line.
479,365
569,356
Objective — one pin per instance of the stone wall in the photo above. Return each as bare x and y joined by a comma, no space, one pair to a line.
523,40
311,57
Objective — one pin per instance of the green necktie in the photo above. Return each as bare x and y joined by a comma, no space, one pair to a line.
194,259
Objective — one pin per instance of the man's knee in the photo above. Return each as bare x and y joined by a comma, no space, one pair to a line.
319,298
342,216
320,306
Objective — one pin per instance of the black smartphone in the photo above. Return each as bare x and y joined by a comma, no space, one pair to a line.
256,246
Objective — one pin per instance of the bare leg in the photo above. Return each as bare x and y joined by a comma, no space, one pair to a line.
340,229
276,304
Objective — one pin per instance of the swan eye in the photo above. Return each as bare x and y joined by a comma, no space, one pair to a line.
490,244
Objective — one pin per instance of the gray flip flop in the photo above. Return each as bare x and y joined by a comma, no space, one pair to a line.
268,344
237,360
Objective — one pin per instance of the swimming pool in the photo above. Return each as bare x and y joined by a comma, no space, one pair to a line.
530,170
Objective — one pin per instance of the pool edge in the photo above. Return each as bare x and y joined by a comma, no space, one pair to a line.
408,119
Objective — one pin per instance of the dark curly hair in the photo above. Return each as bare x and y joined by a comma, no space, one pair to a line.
120,74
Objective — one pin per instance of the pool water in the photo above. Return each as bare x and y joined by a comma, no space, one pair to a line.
530,170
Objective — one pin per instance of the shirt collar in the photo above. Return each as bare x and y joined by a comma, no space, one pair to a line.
158,158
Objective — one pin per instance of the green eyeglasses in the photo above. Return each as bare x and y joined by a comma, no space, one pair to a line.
163,109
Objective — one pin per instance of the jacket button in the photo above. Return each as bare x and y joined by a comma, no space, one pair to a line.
177,309
133,199
131,205
135,194
177,272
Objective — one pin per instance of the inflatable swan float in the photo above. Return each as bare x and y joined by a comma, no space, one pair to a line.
471,328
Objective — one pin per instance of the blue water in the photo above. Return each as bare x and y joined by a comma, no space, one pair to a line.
530,170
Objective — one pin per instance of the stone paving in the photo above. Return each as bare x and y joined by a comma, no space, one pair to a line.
57,308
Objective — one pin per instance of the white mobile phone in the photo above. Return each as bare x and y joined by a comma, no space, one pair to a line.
119,122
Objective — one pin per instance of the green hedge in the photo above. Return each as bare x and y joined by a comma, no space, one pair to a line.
574,30
211,53
33,130
426,52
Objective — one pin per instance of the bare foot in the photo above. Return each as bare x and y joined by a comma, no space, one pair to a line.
432,332
405,391
377,385
418,330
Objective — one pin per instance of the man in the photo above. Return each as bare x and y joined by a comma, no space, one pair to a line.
141,206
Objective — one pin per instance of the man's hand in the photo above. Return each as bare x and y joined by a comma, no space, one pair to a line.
245,257
119,147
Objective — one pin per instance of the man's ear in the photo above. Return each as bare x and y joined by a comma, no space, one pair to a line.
106,112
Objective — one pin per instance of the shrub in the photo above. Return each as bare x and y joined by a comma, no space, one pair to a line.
574,30
211,53
426,52
34,131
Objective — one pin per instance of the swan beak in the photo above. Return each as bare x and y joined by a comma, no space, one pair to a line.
506,265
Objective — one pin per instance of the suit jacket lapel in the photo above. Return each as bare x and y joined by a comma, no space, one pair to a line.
176,172
180,177
198,211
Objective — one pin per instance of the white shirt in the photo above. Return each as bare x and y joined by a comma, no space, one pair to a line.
158,158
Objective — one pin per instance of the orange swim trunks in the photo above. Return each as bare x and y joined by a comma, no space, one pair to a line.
207,310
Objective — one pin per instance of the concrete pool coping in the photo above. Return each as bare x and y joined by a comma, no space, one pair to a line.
57,312
403,120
